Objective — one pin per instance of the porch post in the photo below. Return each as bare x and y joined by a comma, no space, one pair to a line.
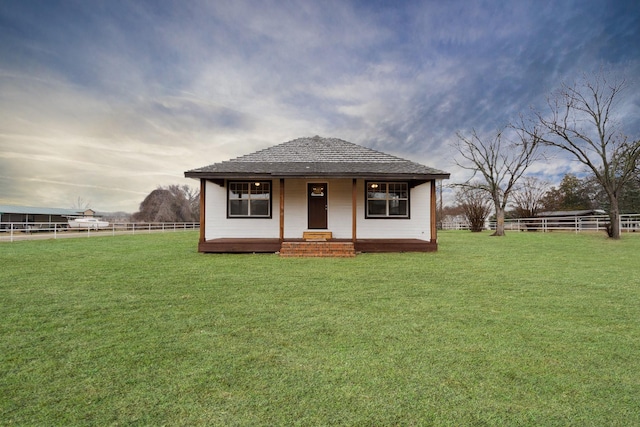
203,186
281,210
434,229
354,210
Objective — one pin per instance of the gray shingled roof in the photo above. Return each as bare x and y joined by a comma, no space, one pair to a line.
316,156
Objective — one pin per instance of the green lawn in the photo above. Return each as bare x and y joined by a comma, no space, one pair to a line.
530,329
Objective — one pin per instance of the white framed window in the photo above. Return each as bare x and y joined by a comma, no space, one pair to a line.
387,199
249,199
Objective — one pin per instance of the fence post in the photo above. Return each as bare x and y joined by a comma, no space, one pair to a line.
620,223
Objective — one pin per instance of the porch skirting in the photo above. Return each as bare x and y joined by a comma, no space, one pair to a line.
239,245
396,245
230,245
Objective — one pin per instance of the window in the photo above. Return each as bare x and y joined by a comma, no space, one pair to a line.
387,200
249,199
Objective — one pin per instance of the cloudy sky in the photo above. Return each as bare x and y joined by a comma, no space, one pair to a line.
104,101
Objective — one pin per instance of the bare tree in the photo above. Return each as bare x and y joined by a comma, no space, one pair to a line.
475,205
193,197
169,204
501,163
80,204
581,121
528,197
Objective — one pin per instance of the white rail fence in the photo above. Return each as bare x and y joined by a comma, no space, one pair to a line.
628,223
13,231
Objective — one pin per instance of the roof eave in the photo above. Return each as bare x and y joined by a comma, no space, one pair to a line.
315,175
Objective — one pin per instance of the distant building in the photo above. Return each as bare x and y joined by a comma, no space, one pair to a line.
578,213
29,214
577,219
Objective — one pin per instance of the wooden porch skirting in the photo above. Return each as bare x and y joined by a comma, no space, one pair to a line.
396,245
274,245
239,246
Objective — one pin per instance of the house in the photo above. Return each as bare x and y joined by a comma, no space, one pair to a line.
317,196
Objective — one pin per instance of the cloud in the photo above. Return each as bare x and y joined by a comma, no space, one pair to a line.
109,100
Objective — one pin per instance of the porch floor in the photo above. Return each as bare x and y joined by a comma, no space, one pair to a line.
229,245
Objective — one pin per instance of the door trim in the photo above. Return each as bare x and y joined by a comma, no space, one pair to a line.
317,205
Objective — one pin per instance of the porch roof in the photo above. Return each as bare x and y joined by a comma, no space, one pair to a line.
318,157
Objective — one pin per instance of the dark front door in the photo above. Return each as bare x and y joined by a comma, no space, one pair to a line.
317,211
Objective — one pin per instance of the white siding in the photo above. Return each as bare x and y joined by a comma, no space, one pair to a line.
416,227
219,226
295,208
340,208
339,213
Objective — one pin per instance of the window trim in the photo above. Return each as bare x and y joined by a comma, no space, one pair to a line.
387,200
228,190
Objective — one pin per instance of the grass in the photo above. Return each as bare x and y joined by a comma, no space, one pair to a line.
530,329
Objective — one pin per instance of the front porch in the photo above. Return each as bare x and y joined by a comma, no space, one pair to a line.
315,248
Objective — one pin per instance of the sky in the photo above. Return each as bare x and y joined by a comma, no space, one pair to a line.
101,102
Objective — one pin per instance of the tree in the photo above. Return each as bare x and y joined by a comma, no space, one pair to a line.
573,193
501,164
169,204
628,201
581,121
576,193
528,197
80,204
475,205
193,197
552,200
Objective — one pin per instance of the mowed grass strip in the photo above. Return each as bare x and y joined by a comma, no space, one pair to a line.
530,329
